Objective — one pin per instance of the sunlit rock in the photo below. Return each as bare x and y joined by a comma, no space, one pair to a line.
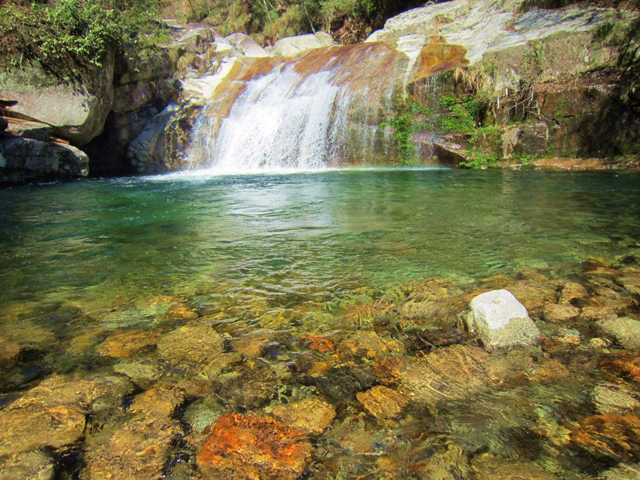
383,402
247,447
291,46
368,345
489,467
612,435
560,313
612,398
38,426
33,466
572,291
191,343
501,321
127,344
246,45
624,330
310,416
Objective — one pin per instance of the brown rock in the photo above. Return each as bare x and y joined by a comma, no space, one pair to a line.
127,344
488,467
311,416
383,402
560,313
244,447
445,374
532,295
627,366
181,311
631,282
549,371
572,291
368,345
37,426
253,344
616,436
33,466
72,391
191,343
8,352
157,403
319,343
593,314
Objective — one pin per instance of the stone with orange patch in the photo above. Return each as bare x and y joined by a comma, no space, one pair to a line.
243,447
319,343
628,366
613,435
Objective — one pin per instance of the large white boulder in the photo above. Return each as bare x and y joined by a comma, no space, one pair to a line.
501,321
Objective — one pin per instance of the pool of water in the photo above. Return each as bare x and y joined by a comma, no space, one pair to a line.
323,310
315,232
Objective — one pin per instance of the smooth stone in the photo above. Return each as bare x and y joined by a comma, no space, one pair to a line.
191,343
291,46
560,313
501,321
368,345
622,472
625,330
37,426
32,465
383,402
611,398
311,416
127,344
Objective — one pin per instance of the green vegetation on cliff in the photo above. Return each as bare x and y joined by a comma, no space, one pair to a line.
68,37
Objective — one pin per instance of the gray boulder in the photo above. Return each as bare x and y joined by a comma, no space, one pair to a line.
25,159
246,45
501,321
76,111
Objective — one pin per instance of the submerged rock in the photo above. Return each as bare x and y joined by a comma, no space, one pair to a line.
488,467
127,344
368,345
612,435
140,447
560,313
38,426
250,388
33,466
8,352
383,402
191,343
622,472
243,447
610,398
501,321
311,416
625,331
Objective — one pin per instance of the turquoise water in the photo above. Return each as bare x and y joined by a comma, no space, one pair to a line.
316,233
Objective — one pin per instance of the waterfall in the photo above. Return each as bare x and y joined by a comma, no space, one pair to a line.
317,110
281,121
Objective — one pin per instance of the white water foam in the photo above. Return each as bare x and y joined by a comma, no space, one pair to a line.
282,121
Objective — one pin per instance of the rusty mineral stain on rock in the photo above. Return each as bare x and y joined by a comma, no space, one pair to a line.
247,447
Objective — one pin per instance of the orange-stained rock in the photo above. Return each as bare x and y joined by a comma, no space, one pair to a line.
439,57
628,366
181,311
319,343
246,447
617,436
127,344
311,416
383,402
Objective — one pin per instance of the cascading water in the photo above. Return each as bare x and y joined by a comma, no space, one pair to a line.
281,120
317,110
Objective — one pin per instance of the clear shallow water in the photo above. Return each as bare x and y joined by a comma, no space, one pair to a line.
260,293
320,233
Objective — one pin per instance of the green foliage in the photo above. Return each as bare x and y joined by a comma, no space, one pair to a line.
404,126
479,159
68,36
460,114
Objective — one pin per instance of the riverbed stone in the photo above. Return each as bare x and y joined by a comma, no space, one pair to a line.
443,375
612,435
368,345
612,398
143,373
594,314
252,387
36,465
191,343
244,447
501,321
38,426
572,291
8,352
560,313
489,467
127,344
622,472
624,330
383,402
311,416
